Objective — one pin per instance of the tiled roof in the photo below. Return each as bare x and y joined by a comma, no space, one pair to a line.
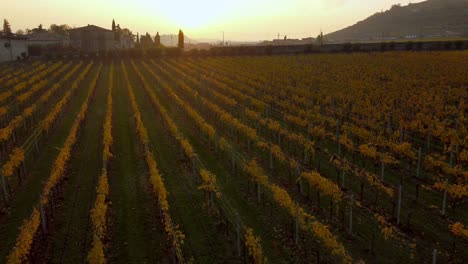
12,36
45,36
90,28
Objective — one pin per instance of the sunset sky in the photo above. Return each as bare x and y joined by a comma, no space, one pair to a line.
240,20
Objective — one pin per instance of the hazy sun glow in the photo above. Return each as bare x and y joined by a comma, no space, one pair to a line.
191,14
240,20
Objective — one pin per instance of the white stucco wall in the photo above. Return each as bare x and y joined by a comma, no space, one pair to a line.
17,47
125,43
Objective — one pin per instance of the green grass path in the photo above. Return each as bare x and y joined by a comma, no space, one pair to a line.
134,232
28,193
70,239
204,242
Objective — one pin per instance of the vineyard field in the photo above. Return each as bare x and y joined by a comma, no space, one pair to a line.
323,158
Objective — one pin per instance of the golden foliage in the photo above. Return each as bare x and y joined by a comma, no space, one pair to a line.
326,186
16,158
208,181
24,241
458,229
254,248
175,235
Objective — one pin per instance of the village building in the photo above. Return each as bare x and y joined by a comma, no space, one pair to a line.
12,47
92,38
47,39
125,42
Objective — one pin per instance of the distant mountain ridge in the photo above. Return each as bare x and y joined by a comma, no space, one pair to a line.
166,39
429,19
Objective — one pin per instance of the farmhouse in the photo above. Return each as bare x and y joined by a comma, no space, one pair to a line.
12,47
45,39
125,42
92,38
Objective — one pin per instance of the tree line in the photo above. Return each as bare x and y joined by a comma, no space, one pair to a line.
147,42
54,28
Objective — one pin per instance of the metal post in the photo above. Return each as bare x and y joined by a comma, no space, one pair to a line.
238,241
233,165
301,188
339,146
382,172
258,192
428,143
296,239
451,156
399,204
193,167
419,163
43,216
271,158
444,202
343,179
389,123
5,192
401,134
351,215
174,257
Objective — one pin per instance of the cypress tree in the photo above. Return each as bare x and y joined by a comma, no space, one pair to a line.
6,27
157,40
181,39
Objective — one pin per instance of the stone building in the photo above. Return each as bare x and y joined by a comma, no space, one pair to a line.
126,42
92,38
13,47
46,39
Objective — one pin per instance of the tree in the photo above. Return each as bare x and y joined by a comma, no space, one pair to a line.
59,29
157,40
19,32
126,32
39,29
180,44
138,38
7,28
113,25
320,38
146,41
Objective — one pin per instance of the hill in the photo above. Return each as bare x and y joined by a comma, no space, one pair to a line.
429,19
168,42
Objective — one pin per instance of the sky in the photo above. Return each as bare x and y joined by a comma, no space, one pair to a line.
240,20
